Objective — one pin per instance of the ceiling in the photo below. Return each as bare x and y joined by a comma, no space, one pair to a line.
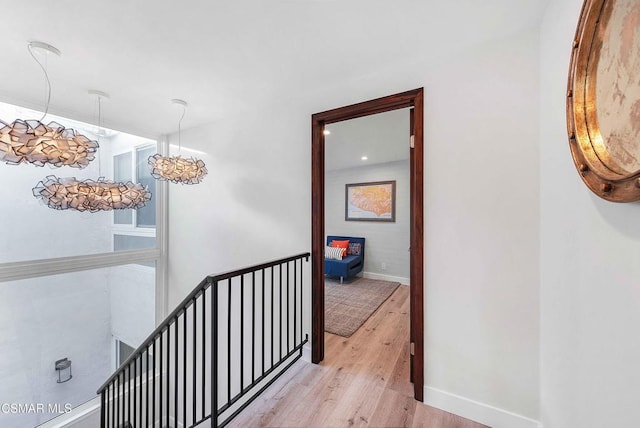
381,138
223,57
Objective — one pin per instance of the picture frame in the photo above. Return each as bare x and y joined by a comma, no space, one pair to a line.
370,201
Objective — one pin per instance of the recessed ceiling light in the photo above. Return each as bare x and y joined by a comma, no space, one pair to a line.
364,158
326,132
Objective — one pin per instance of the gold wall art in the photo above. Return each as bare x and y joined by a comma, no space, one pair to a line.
374,201
603,99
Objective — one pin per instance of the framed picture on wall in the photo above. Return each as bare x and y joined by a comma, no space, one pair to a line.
373,201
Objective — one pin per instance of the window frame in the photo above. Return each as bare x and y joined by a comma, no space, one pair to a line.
132,229
115,356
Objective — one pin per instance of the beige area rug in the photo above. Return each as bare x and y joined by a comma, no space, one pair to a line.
348,306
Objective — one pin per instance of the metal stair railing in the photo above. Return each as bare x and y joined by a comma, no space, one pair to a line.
220,348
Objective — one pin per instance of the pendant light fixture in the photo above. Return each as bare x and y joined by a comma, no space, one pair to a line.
177,169
38,143
91,195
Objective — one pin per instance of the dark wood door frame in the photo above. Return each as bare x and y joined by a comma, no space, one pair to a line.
415,99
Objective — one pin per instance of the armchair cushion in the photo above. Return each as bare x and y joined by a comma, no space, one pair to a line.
340,244
333,253
354,248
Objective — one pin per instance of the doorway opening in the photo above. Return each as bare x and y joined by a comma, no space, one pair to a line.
413,100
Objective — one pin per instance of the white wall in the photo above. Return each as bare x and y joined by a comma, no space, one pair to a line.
590,294
70,319
481,209
132,302
254,205
481,235
386,242
71,315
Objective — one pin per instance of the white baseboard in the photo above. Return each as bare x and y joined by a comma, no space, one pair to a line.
400,279
476,411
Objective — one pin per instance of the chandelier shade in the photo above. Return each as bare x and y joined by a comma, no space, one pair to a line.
90,195
34,142
177,169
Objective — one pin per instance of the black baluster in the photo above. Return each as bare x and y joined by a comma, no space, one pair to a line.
107,406
169,378
113,402
273,291
253,327
117,418
153,384
135,391
147,402
214,356
280,318
122,396
229,342
204,349
123,402
295,302
288,311
184,368
301,302
142,406
107,413
175,368
129,393
193,385
102,409
264,320
241,333
160,389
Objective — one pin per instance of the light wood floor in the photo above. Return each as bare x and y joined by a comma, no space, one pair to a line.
363,381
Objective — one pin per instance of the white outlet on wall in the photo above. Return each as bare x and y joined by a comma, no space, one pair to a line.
383,266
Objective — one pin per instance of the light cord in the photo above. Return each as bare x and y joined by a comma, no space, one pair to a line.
46,76
98,136
184,111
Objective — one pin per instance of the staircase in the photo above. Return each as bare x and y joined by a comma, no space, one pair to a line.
228,340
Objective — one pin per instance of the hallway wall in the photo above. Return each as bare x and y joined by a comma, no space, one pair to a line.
590,293
481,212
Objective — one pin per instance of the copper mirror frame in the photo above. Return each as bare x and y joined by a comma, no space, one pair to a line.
603,99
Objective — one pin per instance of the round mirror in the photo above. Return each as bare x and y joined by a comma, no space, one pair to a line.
603,98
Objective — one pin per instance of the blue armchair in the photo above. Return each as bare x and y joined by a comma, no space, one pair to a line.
351,264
